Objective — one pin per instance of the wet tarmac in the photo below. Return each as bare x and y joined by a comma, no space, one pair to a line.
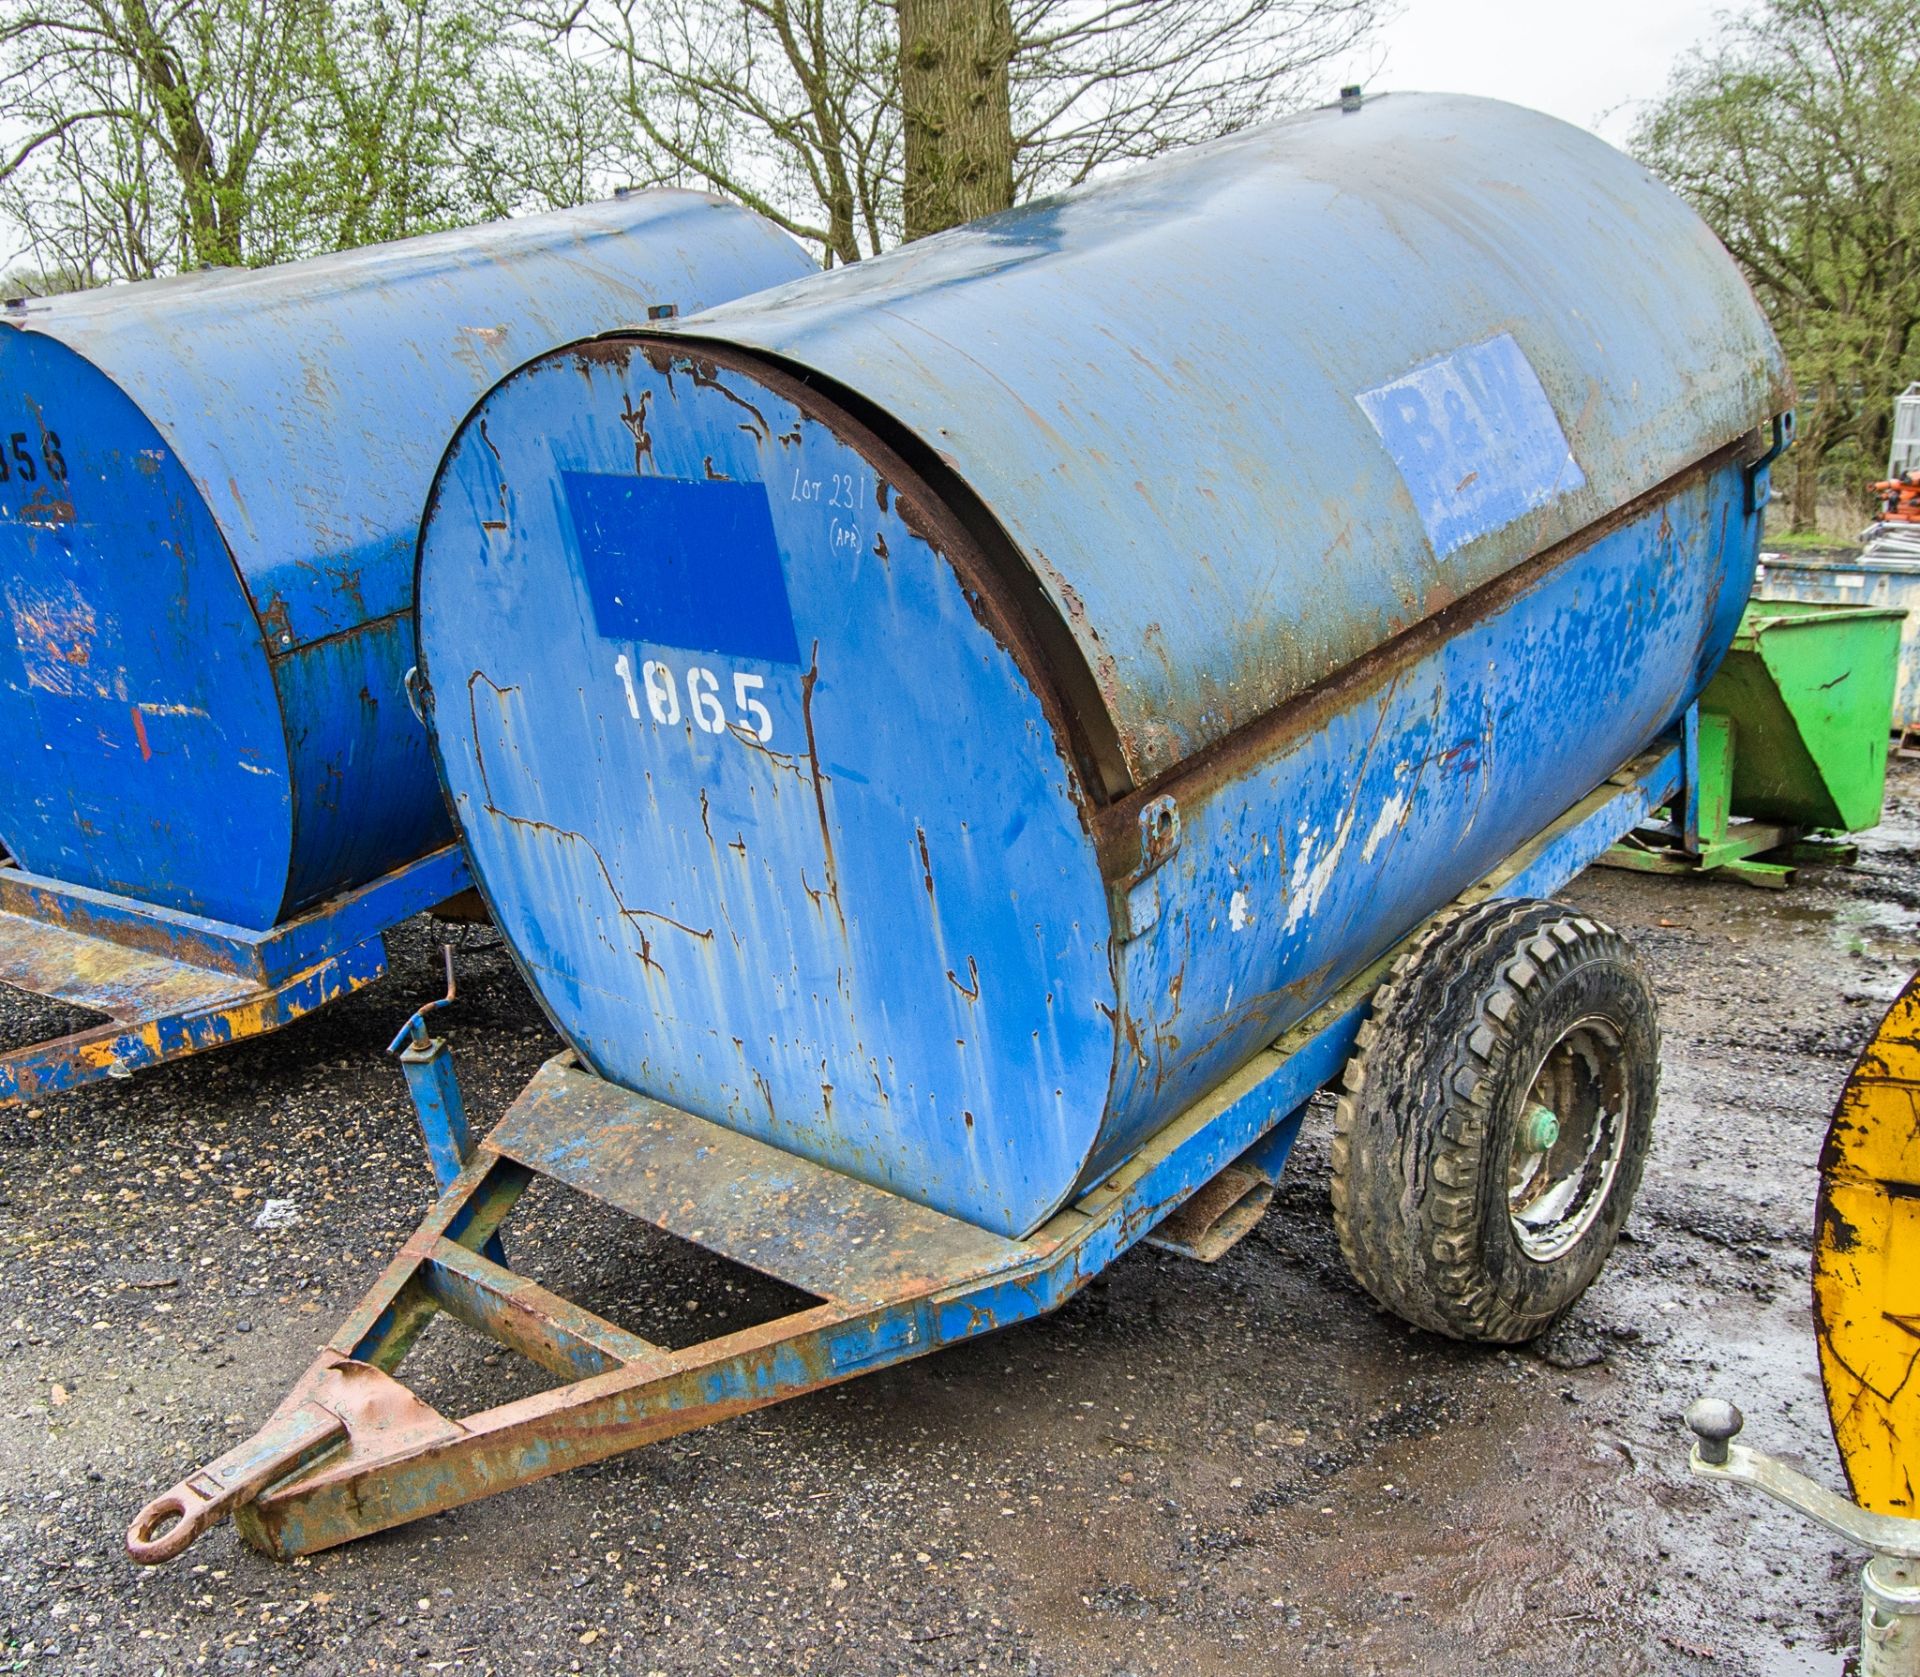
1191,1471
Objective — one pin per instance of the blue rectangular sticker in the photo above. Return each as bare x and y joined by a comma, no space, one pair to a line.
1476,440
683,562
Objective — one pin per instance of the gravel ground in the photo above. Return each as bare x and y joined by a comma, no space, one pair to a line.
1243,1468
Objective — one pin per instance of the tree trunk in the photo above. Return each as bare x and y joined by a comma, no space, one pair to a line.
843,241
212,229
1805,501
1823,422
956,98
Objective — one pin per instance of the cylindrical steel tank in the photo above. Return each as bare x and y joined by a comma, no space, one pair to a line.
944,715
210,490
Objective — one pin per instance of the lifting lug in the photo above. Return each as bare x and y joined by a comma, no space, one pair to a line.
1759,475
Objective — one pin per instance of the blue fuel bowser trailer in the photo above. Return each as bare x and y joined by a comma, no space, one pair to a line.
212,788
965,746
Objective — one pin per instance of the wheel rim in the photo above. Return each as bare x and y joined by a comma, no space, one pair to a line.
1568,1142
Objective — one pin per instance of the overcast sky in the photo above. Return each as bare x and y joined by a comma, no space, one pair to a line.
1591,64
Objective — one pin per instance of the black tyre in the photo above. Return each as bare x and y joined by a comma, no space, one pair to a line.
1495,1118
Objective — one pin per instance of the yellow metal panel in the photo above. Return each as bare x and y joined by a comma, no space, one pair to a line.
1866,1265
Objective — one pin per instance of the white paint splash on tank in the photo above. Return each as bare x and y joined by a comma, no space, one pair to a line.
1391,814
1311,878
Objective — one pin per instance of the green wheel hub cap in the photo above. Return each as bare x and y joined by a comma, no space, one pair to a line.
1543,1129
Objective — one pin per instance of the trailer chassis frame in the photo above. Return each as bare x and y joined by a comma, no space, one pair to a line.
173,984
351,1451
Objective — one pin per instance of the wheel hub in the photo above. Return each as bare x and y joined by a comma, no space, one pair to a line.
1568,1142
1543,1129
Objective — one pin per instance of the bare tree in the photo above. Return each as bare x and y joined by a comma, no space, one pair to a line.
1102,82
142,129
552,132
151,135
796,106
789,106
434,113
1796,134
154,135
379,114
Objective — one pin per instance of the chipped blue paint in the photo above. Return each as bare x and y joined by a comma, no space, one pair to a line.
765,931
206,554
171,984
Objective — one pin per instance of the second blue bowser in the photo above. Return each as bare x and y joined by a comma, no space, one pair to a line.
212,789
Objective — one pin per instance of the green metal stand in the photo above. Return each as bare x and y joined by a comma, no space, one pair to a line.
1790,735
1701,834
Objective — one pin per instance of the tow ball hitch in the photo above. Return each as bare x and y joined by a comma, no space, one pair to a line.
1890,1582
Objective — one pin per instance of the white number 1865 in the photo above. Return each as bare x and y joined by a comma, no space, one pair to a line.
662,688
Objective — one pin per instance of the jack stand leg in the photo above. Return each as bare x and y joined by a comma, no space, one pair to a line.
435,1089
436,1100
1889,1618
